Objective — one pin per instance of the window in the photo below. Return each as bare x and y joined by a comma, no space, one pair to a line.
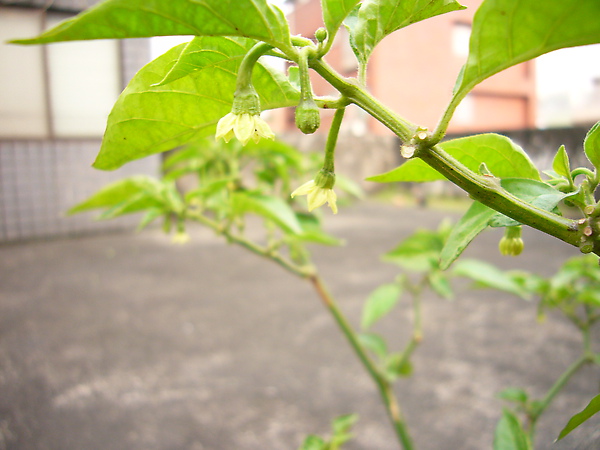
461,33
60,90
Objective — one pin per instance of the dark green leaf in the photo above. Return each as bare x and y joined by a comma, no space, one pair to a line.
334,13
381,301
375,343
502,157
510,434
489,276
507,32
272,208
119,19
376,19
591,145
539,194
149,119
592,408
467,228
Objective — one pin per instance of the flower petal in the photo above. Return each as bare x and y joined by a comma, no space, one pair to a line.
244,127
262,128
225,126
305,189
317,197
332,200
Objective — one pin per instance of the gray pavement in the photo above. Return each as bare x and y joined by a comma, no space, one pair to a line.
130,342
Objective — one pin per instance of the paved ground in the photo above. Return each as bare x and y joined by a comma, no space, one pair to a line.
130,342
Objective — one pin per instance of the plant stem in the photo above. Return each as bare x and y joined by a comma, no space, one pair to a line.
301,271
555,389
334,131
385,389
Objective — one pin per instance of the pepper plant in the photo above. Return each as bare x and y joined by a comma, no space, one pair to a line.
217,83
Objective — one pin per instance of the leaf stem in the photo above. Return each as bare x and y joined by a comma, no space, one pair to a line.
384,387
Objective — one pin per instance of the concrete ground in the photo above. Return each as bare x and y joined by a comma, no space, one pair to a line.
131,342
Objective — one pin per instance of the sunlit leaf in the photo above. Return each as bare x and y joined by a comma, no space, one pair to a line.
381,301
501,155
591,145
119,19
334,13
375,343
560,164
148,119
375,19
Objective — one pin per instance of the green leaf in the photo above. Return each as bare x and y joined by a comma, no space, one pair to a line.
119,19
591,145
507,32
398,366
148,119
381,301
502,157
474,221
516,395
119,192
151,215
375,343
418,253
489,276
560,164
273,208
440,284
342,424
334,13
592,408
376,19
313,442
510,434
537,193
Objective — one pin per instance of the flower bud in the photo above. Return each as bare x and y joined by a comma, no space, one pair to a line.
511,243
321,34
308,116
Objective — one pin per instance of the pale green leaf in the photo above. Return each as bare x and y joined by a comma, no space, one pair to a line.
489,276
334,13
151,215
397,365
419,252
118,192
381,301
313,442
148,119
507,32
119,19
539,194
516,395
342,424
375,19
375,343
560,164
272,208
501,155
466,229
510,435
440,284
591,409
591,145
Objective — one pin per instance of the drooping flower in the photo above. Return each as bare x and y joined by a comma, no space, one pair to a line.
319,191
244,126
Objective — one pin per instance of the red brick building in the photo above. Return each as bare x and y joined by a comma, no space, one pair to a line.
413,71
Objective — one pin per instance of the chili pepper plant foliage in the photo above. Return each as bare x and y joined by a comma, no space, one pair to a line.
216,84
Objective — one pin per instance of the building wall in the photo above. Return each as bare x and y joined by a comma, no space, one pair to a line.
44,173
413,72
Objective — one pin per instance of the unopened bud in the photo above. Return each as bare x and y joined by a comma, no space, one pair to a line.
511,243
321,34
308,116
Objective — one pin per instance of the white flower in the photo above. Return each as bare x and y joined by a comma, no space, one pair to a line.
317,196
244,127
